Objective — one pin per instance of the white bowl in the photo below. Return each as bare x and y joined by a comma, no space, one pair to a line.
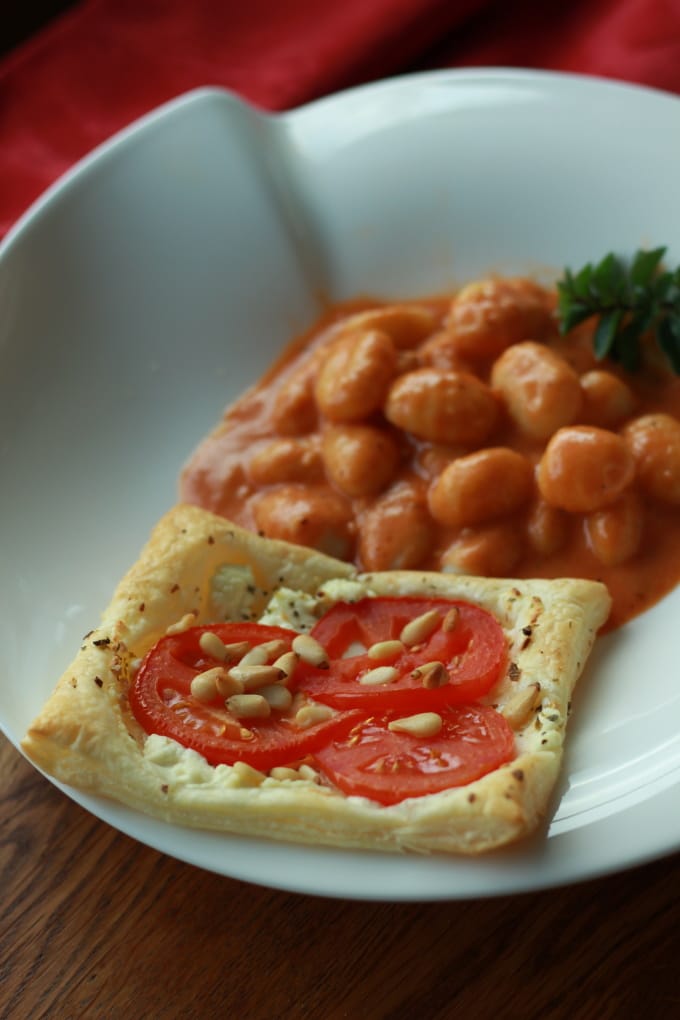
148,287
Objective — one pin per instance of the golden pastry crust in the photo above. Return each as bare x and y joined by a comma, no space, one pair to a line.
199,568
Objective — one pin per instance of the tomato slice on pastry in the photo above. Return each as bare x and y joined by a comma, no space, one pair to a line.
460,655
162,702
387,766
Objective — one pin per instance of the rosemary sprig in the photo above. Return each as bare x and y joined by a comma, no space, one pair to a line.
631,298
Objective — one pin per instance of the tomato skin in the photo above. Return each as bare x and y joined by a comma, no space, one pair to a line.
475,653
161,701
387,767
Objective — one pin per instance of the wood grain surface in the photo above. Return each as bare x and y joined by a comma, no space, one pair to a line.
95,925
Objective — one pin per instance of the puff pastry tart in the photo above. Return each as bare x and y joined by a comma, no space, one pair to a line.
250,686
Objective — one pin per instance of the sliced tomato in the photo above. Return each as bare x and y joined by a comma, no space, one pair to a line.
161,701
474,653
373,761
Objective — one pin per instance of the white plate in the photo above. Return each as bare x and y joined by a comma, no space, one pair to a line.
148,287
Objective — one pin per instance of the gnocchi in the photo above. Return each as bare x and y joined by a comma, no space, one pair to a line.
540,391
360,460
489,315
654,443
584,468
353,379
308,515
484,485
490,550
463,433
445,407
395,532
287,460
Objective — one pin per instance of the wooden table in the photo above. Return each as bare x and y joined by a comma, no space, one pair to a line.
95,925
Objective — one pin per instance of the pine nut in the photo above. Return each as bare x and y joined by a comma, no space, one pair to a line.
278,696
310,651
227,684
379,675
450,621
299,700
420,628
235,651
281,772
311,714
274,648
248,776
188,620
248,706
425,724
432,674
256,656
287,663
307,772
520,706
212,645
252,677
204,685
385,651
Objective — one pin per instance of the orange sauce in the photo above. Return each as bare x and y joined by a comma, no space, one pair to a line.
219,478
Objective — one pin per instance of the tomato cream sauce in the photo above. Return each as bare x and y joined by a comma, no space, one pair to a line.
348,444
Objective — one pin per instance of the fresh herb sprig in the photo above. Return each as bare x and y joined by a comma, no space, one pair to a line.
631,298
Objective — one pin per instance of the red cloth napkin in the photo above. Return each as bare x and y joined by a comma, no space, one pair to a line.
106,62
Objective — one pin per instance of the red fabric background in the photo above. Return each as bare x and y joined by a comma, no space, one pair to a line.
106,62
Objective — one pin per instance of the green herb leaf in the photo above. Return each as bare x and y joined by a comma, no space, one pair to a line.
581,282
608,279
668,334
628,347
644,265
630,299
606,332
572,314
